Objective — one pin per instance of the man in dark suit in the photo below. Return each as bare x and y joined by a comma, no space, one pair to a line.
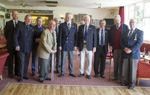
9,32
101,49
39,28
67,43
131,42
87,42
58,53
23,39
116,31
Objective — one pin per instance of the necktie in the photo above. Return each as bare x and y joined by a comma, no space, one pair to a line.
131,32
85,35
117,27
69,26
56,29
102,38
41,29
53,40
28,27
15,23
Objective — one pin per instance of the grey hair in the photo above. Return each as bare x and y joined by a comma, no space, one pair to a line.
68,14
49,23
87,16
27,16
39,17
118,16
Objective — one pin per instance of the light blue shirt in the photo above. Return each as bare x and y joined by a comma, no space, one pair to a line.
100,30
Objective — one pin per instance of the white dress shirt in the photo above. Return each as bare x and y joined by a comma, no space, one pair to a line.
14,22
100,30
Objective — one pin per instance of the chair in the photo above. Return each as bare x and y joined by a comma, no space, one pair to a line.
143,71
3,58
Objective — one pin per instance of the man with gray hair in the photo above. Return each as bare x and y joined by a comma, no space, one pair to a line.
116,32
39,28
67,43
87,42
23,38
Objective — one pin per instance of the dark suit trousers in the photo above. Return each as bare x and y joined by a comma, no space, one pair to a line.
99,58
23,63
12,53
58,59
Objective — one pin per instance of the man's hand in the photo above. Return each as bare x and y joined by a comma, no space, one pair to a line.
110,48
60,48
75,48
94,50
37,40
17,48
128,51
54,51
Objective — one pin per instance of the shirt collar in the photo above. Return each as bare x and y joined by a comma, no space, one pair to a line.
15,21
118,25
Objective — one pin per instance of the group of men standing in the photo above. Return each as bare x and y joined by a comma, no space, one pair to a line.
23,38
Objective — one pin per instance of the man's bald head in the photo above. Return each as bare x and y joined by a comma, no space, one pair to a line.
15,15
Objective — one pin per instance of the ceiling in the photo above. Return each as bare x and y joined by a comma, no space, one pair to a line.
73,3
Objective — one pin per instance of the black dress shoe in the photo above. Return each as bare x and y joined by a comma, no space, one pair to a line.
61,75
130,87
48,79
41,81
33,74
20,80
88,76
72,75
124,84
81,75
11,76
96,76
26,78
103,76
114,78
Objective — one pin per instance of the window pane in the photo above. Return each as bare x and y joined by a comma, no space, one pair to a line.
139,10
146,28
131,12
146,9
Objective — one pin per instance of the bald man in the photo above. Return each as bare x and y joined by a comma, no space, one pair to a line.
8,32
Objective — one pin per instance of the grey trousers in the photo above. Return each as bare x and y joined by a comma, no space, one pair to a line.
130,69
58,60
118,64
70,57
44,67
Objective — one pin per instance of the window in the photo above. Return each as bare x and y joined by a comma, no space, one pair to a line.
140,12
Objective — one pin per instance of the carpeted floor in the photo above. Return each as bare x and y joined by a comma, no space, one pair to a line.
68,80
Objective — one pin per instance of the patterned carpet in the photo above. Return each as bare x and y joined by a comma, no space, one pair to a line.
68,80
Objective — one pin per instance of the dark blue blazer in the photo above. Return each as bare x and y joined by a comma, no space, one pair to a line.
124,28
9,32
106,39
37,34
67,38
24,37
133,42
91,38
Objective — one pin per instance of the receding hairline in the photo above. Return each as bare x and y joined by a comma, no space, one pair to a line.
27,16
50,22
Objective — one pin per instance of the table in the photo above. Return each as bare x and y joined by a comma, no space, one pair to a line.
147,58
2,46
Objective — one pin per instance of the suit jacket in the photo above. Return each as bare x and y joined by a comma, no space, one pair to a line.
37,34
46,44
9,32
24,37
67,38
106,39
124,28
91,37
133,42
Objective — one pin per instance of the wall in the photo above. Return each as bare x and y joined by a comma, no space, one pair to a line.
60,11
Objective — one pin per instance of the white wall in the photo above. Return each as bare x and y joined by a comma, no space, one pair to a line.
60,11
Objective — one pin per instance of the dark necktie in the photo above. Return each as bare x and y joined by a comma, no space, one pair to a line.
41,29
53,40
28,27
117,27
15,23
130,32
69,26
85,35
102,36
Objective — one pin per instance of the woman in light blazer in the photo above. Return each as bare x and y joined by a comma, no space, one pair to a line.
46,47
